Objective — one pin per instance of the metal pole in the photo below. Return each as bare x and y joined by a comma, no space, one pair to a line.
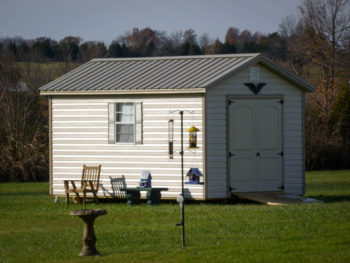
182,183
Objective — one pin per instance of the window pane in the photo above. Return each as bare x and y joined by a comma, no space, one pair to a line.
121,117
125,128
125,132
125,112
127,108
254,73
125,138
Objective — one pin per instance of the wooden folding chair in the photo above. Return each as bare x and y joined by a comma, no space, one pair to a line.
89,184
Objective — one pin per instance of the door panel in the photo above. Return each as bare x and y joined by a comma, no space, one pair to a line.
268,144
243,128
242,145
243,170
268,126
255,132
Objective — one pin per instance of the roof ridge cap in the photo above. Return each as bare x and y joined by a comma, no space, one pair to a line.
176,57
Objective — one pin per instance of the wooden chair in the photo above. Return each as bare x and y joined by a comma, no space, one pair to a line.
88,184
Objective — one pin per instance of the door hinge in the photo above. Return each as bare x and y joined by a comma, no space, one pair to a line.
281,101
281,187
281,153
229,101
229,154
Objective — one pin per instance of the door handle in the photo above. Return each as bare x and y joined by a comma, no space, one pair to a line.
258,154
229,154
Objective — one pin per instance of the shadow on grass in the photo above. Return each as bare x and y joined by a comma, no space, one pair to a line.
331,198
230,201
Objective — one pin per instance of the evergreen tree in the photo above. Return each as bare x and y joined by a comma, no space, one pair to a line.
115,50
185,48
12,48
194,49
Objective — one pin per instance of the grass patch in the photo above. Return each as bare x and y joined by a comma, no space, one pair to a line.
35,229
329,186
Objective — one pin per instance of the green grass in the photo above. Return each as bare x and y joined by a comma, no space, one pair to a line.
35,229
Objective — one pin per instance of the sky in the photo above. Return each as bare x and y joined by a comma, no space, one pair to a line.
105,20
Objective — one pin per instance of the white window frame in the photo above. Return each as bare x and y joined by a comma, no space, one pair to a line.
125,123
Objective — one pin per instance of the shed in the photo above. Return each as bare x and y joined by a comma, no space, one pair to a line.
116,112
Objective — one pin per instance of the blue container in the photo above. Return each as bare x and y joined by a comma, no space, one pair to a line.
146,179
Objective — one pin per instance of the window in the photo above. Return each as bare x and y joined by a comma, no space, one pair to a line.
254,73
125,123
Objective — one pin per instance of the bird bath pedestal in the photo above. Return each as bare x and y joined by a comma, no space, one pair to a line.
89,238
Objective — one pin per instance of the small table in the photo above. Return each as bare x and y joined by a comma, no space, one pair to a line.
153,195
89,237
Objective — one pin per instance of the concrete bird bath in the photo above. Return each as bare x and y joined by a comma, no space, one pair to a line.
89,238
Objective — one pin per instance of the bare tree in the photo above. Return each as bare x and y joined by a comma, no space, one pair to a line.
319,39
190,36
144,42
205,42
232,35
23,129
330,20
288,26
176,38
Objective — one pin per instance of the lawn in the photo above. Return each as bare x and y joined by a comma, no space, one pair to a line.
35,229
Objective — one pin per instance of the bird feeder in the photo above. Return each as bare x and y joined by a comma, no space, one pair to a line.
192,137
171,138
194,174
145,179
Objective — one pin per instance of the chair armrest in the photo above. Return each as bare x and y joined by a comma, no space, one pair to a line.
84,184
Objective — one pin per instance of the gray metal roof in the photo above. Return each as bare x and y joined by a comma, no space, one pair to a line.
155,73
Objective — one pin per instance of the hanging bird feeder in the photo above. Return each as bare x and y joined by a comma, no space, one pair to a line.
171,138
192,137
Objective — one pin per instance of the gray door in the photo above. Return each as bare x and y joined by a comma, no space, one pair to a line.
255,131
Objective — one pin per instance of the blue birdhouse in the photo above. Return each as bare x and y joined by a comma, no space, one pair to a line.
145,179
194,174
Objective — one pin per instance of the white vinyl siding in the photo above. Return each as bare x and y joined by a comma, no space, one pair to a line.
216,133
80,135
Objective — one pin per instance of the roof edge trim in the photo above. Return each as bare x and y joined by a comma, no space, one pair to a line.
124,92
274,67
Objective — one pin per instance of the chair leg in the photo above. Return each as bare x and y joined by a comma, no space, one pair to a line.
66,188
78,197
67,199
84,198
95,196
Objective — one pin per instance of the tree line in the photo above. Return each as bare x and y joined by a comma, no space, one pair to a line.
138,43
314,44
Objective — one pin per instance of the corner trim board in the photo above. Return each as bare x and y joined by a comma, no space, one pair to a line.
50,145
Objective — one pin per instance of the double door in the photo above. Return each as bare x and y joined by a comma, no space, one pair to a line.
255,145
